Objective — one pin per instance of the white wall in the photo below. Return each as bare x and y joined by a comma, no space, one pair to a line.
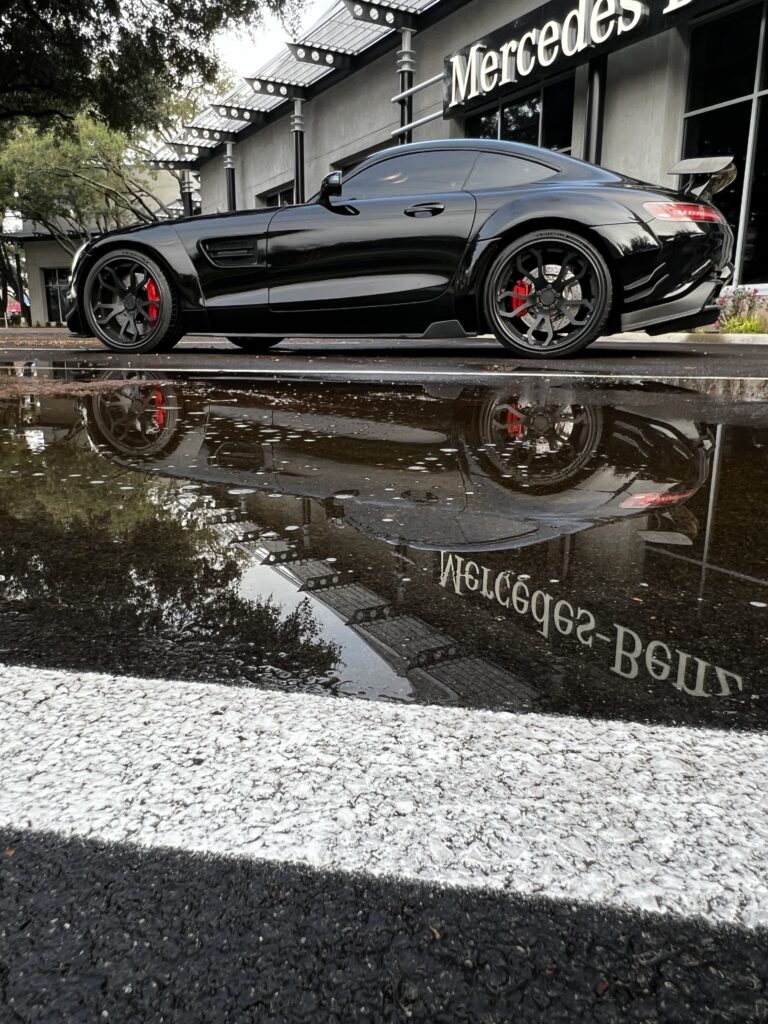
645,103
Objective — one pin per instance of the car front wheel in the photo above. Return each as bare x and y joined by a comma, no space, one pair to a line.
130,304
548,294
255,344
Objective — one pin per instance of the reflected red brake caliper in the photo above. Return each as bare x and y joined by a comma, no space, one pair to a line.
513,424
519,294
153,297
159,414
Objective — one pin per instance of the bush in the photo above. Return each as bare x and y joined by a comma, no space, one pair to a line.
741,325
742,311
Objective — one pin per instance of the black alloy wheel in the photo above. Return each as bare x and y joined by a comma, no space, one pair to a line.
129,303
548,294
255,344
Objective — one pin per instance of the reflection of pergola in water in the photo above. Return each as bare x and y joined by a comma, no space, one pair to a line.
429,659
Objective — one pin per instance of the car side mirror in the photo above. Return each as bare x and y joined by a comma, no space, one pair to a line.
331,186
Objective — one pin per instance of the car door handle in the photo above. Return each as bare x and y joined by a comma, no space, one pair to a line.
425,210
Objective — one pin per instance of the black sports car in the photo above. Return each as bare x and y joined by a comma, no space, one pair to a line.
442,239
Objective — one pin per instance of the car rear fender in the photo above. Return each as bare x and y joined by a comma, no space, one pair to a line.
604,221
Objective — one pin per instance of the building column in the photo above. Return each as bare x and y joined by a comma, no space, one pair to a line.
187,189
406,65
297,127
26,307
593,129
229,166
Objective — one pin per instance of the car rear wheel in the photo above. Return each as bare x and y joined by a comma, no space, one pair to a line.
548,294
255,344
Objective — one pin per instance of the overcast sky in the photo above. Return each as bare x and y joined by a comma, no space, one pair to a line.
245,54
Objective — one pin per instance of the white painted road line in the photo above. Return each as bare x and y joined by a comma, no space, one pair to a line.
626,815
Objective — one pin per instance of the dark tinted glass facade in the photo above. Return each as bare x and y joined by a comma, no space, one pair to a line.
541,118
726,115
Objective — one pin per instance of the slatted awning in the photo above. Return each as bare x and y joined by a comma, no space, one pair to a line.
338,31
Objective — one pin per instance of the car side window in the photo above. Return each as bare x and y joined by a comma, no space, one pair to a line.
412,175
495,170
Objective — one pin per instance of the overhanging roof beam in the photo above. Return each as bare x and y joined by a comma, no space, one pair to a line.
189,150
379,14
235,113
172,165
209,134
320,56
272,87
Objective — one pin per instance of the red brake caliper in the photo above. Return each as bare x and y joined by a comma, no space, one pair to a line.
519,294
153,297
157,397
513,424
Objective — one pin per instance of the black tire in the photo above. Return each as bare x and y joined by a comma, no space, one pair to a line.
129,303
548,294
255,344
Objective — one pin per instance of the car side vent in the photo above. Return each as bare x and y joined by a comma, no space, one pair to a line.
243,251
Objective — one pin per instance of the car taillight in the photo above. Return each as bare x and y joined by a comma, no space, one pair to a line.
656,499
696,212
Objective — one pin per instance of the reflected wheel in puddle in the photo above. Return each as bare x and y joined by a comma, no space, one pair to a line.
543,446
548,294
138,419
130,303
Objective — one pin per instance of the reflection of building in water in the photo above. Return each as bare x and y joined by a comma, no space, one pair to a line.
429,659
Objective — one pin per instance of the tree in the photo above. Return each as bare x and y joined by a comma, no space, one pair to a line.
88,178
118,58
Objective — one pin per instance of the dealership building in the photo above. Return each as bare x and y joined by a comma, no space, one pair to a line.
632,85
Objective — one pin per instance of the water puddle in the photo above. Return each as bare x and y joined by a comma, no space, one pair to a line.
554,546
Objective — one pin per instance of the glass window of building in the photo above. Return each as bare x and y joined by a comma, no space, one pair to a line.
726,116
279,197
541,118
56,284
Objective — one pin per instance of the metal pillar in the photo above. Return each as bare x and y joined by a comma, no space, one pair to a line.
406,65
297,127
26,311
229,165
593,132
187,189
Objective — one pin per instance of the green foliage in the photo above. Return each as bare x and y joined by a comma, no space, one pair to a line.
73,181
128,580
740,303
741,325
117,58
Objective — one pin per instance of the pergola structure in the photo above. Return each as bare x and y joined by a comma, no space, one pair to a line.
346,38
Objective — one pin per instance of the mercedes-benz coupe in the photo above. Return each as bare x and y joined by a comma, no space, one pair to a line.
448,239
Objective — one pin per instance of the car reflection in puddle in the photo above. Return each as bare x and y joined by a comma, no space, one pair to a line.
537,545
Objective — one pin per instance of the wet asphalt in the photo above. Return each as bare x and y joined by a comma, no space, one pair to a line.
415,526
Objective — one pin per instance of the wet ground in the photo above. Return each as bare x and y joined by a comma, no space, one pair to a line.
451,686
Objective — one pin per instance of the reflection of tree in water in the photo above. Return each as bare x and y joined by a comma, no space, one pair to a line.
104,579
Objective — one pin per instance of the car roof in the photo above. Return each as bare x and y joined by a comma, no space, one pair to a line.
558,161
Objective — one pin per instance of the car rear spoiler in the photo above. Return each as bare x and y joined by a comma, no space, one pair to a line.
706,176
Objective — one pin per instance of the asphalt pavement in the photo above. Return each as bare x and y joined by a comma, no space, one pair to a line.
383,682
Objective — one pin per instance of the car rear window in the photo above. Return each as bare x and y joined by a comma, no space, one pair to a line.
495,170
412,174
